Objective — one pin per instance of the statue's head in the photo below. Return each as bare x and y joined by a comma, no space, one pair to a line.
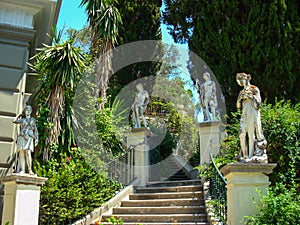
28,110
242,78
207,75
139,86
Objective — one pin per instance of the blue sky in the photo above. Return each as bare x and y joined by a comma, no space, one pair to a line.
71,15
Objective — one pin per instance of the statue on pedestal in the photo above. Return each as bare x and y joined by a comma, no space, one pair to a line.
208,97
27,140
139,106
249,101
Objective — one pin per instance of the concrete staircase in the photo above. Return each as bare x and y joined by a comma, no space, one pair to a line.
166,202
179,174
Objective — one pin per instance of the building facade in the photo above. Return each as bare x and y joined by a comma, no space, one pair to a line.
24,25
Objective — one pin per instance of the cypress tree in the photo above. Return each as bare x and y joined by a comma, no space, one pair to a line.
141,21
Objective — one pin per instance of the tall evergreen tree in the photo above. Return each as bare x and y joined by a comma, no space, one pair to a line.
258,37
141,21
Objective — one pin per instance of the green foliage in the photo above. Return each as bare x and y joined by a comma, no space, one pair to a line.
104,20
281,206
177,109
82,38
141,21
99,133
111,127
281,125
180,17
72,190
259,37
188,139
166,141
114,221
108,21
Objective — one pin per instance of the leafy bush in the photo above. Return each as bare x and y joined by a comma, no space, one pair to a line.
282,129
112,126
281,124
280,207
72,190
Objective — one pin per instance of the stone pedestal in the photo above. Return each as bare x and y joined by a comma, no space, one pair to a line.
243,181
210,138
21,199
138,140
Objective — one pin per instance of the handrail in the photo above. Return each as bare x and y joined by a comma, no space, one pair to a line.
218,193
121,169
216,168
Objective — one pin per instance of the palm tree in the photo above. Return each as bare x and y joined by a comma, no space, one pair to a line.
104,19
60,67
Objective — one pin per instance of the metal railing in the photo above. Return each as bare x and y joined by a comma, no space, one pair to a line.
121,170
218,193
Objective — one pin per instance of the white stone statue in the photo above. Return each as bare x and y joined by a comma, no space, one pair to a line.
208,97
249,101
27,140
139,106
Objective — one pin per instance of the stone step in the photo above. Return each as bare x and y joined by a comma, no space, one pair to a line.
198,217
171,195
171,165
175,178
188,188
158,223
160,210
179,175
163,202
174,183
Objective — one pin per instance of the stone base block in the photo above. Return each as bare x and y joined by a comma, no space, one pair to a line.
21,199
243,182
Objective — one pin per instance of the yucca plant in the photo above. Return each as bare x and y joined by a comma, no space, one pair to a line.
59,67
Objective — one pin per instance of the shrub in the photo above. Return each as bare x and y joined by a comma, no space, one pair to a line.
72,190
281,206
281,124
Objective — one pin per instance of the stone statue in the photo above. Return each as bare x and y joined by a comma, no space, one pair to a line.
27,140
249,101
139,106
208,97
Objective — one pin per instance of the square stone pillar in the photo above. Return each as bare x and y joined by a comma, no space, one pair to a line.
211,137
138,139
21,199
243,181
